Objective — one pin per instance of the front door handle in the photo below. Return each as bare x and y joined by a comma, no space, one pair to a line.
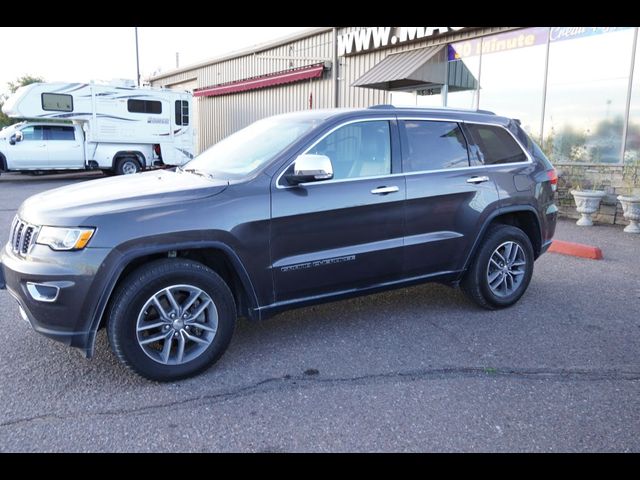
384,190
477,179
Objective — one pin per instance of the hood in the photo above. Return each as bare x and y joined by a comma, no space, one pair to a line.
6,132
76,205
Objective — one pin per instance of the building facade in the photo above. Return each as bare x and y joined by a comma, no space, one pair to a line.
573,88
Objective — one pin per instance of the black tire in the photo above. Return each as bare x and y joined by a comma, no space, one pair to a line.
127,166
142,284
475,283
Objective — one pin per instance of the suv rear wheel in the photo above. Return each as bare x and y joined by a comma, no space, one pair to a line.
502,268
171,319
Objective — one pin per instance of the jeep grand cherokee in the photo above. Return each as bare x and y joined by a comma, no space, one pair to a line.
292,210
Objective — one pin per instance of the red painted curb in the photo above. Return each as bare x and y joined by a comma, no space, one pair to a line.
576,249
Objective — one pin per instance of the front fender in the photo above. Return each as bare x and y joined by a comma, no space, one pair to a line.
116,262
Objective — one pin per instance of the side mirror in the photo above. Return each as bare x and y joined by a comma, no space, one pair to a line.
16,137
310,168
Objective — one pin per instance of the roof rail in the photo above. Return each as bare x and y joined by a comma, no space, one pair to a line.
445,109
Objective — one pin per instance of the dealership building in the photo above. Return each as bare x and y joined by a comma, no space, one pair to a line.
576,90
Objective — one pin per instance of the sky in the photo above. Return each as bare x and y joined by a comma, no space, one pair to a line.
83,54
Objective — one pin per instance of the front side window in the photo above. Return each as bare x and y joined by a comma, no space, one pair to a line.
144,106
57,102
358,150
496,144
60,133
430,145
32,133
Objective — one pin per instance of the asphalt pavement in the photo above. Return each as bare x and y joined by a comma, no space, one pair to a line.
415,369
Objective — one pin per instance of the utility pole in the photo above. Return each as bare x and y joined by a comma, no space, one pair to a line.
137,58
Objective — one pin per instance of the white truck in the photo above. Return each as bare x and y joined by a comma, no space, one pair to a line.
115,127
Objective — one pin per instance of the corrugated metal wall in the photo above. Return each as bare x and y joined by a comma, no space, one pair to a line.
222,115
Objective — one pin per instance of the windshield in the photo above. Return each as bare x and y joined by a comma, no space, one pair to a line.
241,154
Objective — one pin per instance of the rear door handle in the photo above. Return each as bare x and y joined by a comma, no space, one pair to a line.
384,190
477,179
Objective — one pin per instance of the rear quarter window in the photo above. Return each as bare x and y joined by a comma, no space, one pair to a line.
497,145
531,146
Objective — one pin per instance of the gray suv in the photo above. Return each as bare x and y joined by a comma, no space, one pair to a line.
292,210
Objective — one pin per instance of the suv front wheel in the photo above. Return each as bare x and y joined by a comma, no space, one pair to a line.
502,268
171,319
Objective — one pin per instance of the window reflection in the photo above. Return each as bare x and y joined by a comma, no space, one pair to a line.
358,150
434,146
464,70
586,95
632,149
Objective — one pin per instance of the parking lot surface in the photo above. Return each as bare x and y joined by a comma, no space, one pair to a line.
415,369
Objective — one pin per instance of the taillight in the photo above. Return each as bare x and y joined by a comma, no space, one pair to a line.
553,178
156,148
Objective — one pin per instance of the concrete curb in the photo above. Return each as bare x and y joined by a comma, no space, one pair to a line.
576,250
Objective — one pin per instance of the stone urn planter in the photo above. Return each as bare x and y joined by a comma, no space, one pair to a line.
587,203
631,210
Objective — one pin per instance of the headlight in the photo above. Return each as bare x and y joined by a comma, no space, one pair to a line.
65,238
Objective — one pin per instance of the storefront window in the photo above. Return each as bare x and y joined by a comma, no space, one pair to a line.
430,97
464,70
586,93
512,76
420,98
632,149
402,99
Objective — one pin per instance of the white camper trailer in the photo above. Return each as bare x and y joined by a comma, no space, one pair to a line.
115,127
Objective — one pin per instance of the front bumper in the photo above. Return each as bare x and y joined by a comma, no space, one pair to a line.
68,318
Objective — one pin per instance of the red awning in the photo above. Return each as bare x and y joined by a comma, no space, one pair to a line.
278,78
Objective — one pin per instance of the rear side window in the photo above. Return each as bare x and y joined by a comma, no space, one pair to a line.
60,133
144,106
496,144
182,112
430,145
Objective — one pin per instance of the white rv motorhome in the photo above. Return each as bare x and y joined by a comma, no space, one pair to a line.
115,128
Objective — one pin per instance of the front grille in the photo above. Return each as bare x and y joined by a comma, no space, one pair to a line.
22,236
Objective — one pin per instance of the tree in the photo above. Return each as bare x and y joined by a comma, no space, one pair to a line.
22,81
13,86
